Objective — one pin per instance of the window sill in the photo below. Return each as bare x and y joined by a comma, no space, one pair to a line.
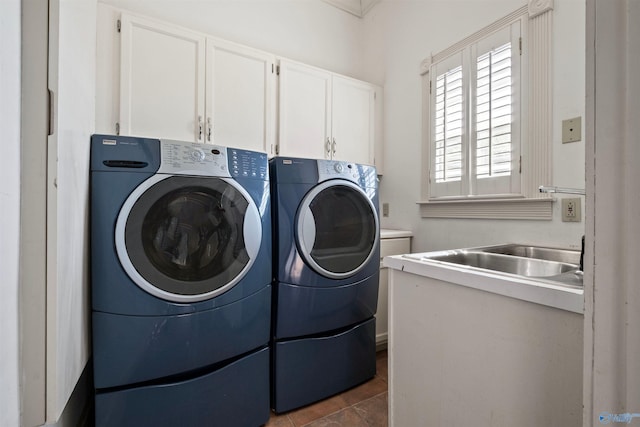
540,209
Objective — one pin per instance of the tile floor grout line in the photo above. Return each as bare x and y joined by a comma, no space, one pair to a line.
340,410
372,397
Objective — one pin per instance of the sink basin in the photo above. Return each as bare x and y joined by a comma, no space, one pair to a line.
522,266
537,252
559,266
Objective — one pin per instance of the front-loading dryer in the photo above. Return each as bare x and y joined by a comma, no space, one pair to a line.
326,268
180,281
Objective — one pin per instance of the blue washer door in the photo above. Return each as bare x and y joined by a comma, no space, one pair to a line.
337,228
186,238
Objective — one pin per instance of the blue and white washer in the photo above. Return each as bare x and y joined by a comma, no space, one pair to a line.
180,280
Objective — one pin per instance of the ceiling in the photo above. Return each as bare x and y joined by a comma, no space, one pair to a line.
356,7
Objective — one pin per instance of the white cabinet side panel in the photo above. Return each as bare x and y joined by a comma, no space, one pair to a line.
464,357
387,247
72,78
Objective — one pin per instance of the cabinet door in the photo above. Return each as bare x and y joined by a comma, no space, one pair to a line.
305,102
240,100
161,81
353,120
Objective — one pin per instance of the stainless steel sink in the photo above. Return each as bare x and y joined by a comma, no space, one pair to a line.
538,252
507,263
549,264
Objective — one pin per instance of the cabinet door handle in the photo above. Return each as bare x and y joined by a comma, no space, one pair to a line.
333,147
209,129
328,147
200,125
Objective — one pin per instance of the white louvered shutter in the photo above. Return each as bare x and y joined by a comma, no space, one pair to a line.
448,140
496,107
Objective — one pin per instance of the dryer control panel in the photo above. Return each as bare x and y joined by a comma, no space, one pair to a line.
363,175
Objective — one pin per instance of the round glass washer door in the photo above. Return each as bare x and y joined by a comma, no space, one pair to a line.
187,239
337,229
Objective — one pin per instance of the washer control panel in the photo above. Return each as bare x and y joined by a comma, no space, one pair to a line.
363,175
192,158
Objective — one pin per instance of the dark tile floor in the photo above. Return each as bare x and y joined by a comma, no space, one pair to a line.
361,406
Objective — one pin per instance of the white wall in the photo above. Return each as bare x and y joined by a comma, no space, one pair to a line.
309,31
10,209
399,34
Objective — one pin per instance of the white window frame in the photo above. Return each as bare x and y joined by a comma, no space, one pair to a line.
531,159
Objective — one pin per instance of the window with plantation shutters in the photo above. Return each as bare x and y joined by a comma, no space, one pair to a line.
475,118
487,121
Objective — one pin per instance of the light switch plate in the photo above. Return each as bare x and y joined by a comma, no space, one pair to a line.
572,130
385,209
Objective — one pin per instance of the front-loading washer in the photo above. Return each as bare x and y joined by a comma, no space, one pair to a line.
180,282
326,273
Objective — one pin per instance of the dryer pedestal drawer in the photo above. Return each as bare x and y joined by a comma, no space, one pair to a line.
235,395
307,310
311,369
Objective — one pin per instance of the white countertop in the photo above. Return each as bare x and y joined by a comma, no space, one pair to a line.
519,287
387,233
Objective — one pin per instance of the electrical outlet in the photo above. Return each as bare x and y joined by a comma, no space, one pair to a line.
571,211
572,130
385,209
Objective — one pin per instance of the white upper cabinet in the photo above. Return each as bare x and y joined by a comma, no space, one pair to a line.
240,96
326,116
353,120
305,111
179,84
161,80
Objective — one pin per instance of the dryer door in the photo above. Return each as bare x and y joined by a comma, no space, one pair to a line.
187,239
337,229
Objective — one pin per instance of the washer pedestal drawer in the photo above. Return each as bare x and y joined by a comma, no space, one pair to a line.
134,349
236,395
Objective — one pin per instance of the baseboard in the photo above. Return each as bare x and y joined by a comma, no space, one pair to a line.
382,341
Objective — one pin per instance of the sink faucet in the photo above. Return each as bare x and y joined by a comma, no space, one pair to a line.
564,190
581,268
